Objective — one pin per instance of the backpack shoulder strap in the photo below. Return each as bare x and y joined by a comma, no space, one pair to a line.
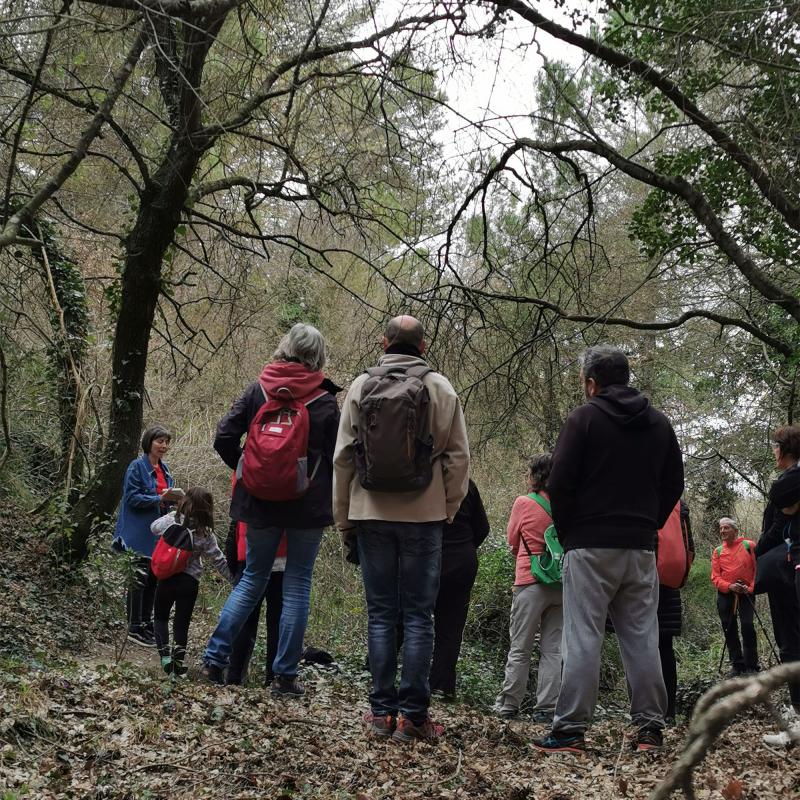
419,372
719,550
315,398
543,502
746,545
525,545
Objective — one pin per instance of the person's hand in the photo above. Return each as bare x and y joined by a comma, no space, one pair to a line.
790,511
171,495
738,588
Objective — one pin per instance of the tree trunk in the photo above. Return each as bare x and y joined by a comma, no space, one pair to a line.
69,319
159,216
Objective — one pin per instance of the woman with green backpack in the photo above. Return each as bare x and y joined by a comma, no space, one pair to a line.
536,606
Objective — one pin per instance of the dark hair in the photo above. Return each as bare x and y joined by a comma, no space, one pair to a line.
151,434
607,365
787,437
196,508
539,470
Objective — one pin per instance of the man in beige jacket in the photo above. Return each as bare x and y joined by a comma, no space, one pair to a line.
399,538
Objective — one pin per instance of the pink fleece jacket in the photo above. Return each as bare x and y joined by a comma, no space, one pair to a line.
529,520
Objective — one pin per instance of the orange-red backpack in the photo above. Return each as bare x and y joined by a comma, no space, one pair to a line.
674,555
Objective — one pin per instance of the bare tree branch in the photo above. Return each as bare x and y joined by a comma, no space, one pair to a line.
11,230
768,186
705,214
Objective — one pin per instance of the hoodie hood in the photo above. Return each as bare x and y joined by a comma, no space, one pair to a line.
626,406
297,378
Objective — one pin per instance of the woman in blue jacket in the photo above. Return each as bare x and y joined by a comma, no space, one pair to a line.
147,490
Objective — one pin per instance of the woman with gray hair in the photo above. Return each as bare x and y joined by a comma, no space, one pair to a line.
293,384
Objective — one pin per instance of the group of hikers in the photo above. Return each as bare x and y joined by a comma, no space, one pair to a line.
391,472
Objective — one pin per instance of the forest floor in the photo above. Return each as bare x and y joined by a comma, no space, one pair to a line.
80,720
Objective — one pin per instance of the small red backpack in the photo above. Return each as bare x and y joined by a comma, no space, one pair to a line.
274,465
674,556
172,552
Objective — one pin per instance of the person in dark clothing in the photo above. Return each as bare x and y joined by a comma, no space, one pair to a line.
460,542
296,368
616,476
244,644
670,624
774,553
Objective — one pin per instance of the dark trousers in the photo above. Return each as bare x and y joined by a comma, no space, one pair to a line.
400,566
729,608
245,642
179,591
459,570
669,669
785,611
140,596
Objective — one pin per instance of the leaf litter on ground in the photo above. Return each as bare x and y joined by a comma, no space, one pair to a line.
77,721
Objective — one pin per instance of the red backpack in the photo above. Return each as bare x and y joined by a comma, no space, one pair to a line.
274,465
172,552
673,556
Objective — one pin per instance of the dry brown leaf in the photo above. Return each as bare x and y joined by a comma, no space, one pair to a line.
733,791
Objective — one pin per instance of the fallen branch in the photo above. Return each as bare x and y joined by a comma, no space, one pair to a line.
713,715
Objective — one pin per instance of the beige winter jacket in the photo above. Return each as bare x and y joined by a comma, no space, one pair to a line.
442,497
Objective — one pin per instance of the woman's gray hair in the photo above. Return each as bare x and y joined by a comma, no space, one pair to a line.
303,343
729,521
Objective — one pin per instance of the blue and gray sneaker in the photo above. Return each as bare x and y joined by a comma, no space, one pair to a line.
561,743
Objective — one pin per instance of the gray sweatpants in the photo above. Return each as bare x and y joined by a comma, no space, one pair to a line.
534,609
624,584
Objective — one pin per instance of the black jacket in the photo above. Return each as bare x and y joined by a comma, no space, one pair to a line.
470,525
313,510
617,472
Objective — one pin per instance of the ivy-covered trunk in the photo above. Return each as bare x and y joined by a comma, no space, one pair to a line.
159,215
69,319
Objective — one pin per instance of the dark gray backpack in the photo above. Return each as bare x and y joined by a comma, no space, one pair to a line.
394,446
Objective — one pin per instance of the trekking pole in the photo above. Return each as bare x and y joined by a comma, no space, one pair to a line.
763,629
725,633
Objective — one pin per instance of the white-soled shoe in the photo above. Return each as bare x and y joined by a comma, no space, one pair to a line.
784,738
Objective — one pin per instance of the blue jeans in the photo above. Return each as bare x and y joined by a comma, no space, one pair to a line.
400,564
262,544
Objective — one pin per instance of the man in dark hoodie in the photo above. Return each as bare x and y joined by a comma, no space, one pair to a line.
617,474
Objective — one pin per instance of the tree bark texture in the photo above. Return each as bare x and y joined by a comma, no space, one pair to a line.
158,216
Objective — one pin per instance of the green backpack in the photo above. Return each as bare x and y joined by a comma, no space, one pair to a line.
546,567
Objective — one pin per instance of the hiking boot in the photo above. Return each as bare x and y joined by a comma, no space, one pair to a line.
379,726
179,669
561,743
211,673
444,695
167,664
648,739
542,717
287,685
427,731
142,636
